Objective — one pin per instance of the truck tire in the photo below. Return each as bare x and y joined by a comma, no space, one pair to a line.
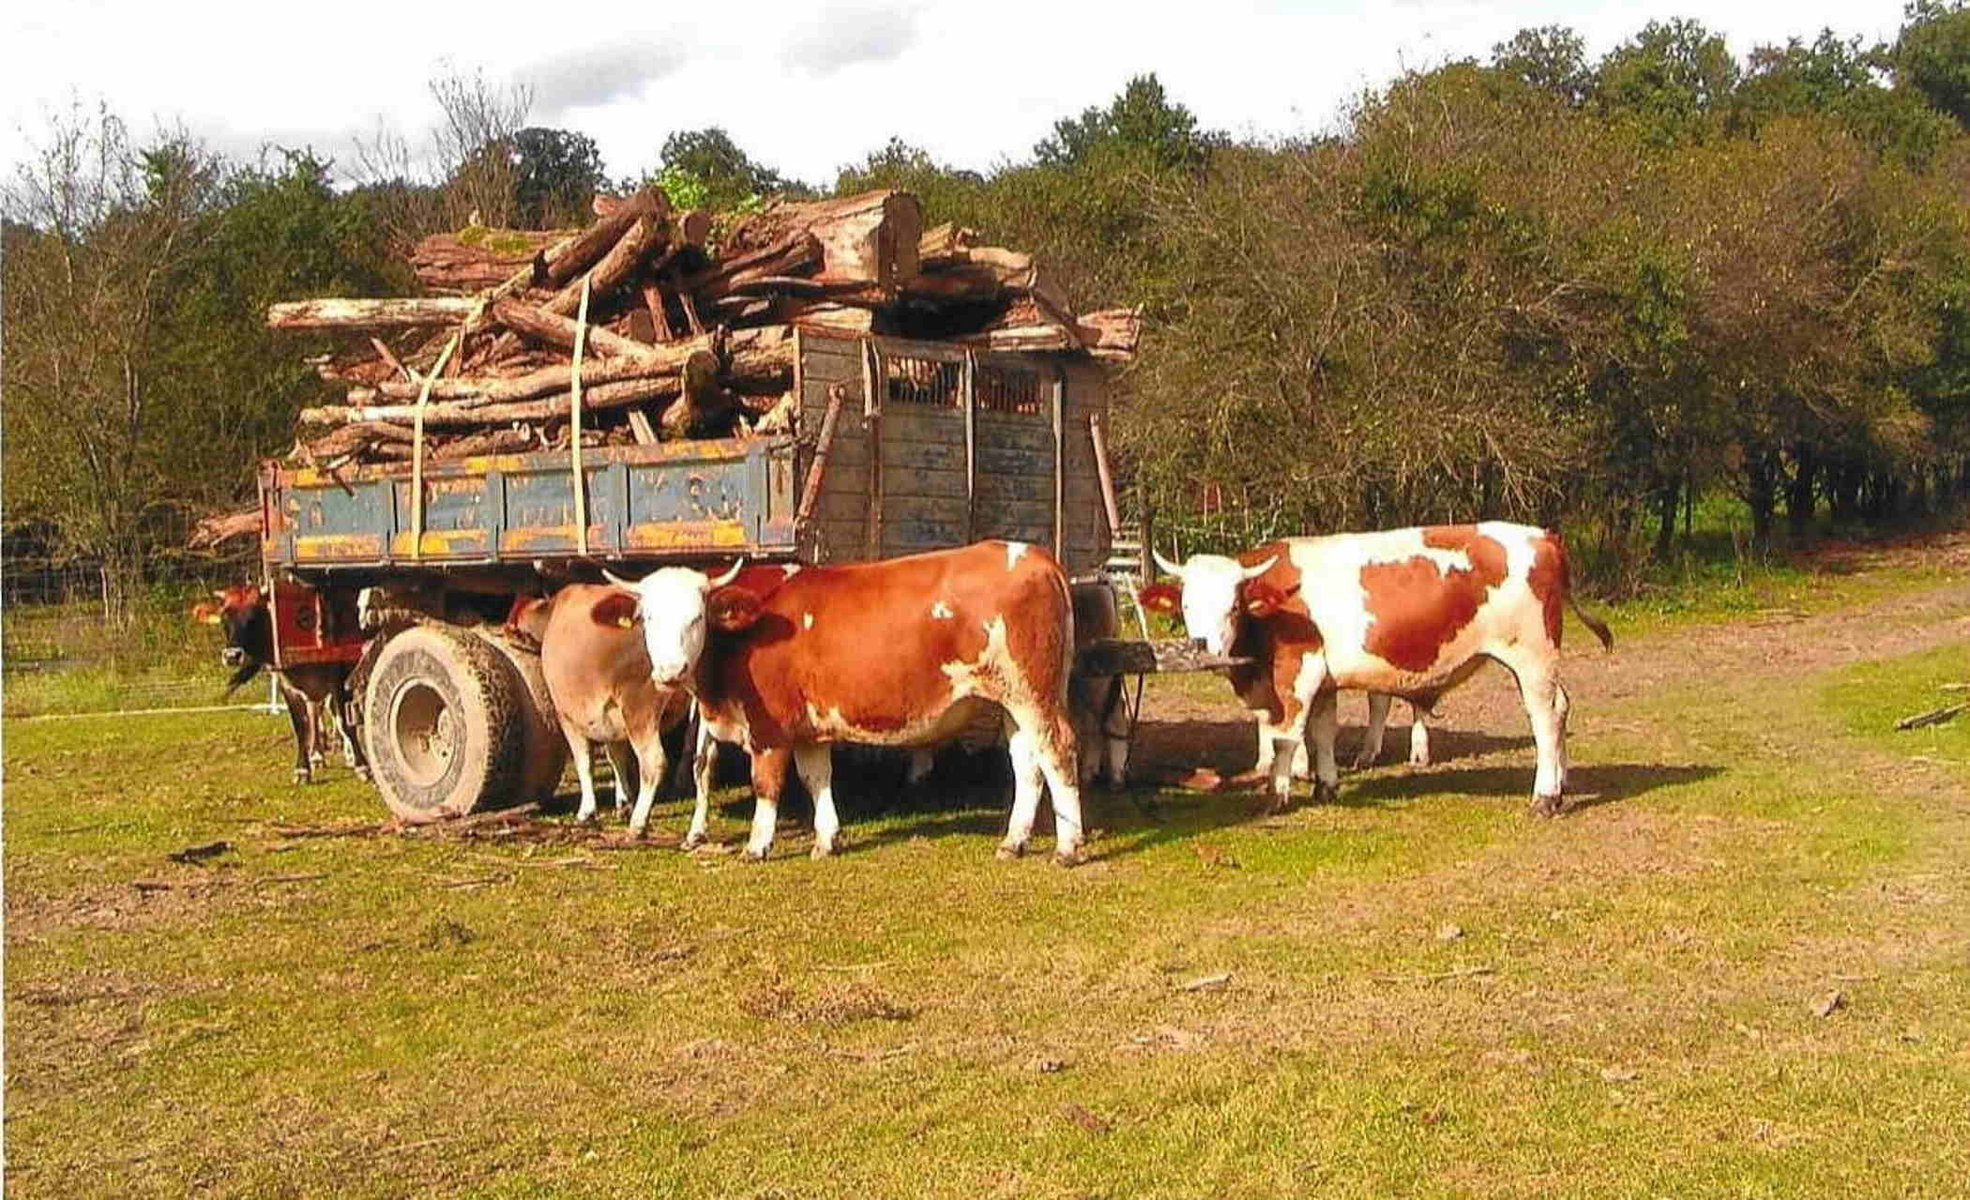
444,723
545,750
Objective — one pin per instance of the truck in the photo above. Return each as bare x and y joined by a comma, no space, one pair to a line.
406,573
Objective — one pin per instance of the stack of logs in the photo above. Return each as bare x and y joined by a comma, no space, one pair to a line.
680,341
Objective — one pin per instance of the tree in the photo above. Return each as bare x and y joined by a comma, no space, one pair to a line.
705,168
1140,123
1551,58
556,175
1671,77
100,226
1932,55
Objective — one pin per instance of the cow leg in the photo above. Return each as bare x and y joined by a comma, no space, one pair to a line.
1419,738
579,750
352,751
1052,745
1262,768
1309,683
651,766
1026,777
922,759
815,762
1325,719
769,779
1069,833
298,716
1371,738
623,764
1115,735
317,712
704,754
1546,707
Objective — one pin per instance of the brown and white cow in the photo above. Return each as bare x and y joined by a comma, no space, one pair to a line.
313,691
598,679
901,653
1404,612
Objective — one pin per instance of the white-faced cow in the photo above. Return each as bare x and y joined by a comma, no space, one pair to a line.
901,653
1404,612
598,679
313,691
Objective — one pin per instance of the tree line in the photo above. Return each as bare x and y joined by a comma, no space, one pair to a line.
1587,293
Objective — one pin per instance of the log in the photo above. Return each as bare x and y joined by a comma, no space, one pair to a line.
467,416
476,258
870,238
557,330
1112,333
576,255
492,441
826,314
640,240
358,439
701,404
944,245
760,358
791,255
369,314
1043,336
214,531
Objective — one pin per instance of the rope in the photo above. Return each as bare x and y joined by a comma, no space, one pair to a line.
417,440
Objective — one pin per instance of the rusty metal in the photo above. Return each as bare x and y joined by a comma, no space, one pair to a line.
817,471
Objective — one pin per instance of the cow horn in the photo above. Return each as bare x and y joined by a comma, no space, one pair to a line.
618,580
1262,568
1167,567
730,575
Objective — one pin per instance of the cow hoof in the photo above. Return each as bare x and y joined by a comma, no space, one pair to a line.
1548,806
821,851
753,856
693,841
1419,760
363,774
1008,851
303,775
1326,793
1070,858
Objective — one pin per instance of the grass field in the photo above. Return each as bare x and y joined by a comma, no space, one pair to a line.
1738,967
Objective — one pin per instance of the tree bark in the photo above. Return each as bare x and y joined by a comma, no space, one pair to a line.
1799,491
369,314
557,330
870,238
1668,501
466,416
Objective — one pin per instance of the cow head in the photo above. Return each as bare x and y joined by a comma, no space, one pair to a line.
1215,592
675,606
241,615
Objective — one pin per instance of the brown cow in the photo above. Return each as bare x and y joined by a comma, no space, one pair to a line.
313,691
598,678
1406,612
900,653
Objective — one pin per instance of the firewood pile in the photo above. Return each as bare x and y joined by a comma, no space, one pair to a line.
689,333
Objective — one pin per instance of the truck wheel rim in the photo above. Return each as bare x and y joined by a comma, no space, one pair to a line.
425,731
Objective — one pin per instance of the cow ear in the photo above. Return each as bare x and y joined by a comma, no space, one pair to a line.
1262,599
1162,597
732,609
205,614
616,610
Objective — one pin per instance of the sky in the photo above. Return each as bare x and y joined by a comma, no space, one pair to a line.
802,87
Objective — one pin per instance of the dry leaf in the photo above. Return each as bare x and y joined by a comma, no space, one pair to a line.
1827,1004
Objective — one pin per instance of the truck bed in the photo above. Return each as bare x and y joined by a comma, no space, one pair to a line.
674,500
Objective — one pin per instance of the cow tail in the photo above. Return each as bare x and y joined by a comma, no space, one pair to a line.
1597,626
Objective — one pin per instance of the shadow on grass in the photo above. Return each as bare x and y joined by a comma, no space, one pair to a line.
1588,786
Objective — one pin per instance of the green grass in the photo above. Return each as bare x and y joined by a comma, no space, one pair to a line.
1628,1009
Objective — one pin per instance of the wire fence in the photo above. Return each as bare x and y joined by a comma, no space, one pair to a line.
62,652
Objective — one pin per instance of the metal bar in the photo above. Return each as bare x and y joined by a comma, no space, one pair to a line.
872,412
817,471
1110,508
1059,464
574,423
970,445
